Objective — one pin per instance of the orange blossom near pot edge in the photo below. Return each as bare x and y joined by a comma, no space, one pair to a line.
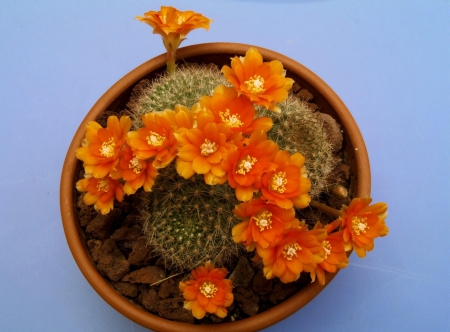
299,250
208,292
333,247
101,192
173,25
101,147
287,185
264,83
264,223
362,223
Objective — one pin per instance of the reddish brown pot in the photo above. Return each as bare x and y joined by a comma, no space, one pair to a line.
116,97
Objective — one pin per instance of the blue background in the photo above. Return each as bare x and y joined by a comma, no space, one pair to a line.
389,61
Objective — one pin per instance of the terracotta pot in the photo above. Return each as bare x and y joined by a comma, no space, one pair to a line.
117,96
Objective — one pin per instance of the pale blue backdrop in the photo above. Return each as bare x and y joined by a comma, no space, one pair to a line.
388,60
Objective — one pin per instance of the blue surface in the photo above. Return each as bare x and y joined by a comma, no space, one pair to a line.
389,61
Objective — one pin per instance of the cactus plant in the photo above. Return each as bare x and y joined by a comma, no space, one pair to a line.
189,222
298,129
184,87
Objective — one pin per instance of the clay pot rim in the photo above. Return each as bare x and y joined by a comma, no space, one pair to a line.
70,222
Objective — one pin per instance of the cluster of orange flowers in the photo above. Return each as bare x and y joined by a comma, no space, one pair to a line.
221,138
218,137
287,247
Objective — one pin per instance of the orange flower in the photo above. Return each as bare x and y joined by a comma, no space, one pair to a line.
362,223
299,250
135,172
101,192
208,292
237,112
202,149
263,82
287,185
264,223
156,139
101,147
246,164
173,25
333,247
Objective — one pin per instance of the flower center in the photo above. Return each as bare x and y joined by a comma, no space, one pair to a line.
255,84
233,121
208,289
327,247
155,139
135,165
181,20
278,181
263,221
208,148
359,225
290,250
108,148
246,165
103,185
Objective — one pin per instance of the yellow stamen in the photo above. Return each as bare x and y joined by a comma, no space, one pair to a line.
181,20
359,225
278,181
208,148
233,121
290,250
103,185
255,84
263,221
246,164
108,148
135,165
155,139
208,289
327,247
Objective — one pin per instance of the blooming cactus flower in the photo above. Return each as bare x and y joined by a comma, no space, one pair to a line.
156,139
299,250
264,223
209,291
264,83
202,149
101,147
362,223
137,173
247,163
237,112
287,185
101,192
333,247
173,25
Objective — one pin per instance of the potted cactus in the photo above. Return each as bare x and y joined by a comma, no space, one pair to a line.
214,164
